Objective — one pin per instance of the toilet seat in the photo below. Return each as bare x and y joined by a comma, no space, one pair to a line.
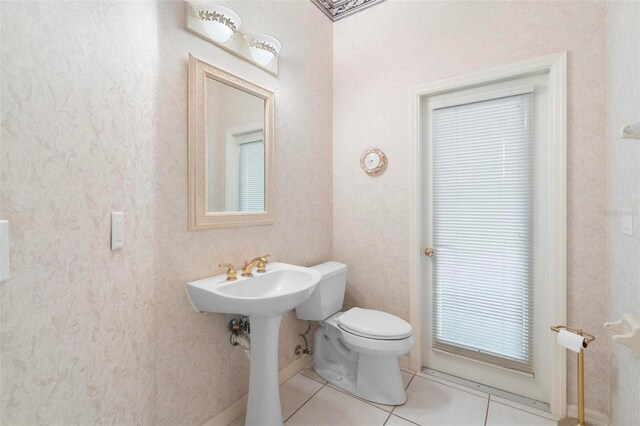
373,324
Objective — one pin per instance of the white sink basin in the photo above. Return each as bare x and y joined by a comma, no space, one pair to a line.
273,293
264,297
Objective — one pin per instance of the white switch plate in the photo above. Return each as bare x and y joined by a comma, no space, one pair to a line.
117,230
627,221
4,250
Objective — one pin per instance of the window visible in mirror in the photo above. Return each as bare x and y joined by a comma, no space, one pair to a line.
235,149
252,177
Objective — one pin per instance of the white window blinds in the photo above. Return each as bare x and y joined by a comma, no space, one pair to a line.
482,231
252,176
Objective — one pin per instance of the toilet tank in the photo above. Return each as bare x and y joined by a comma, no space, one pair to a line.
328,295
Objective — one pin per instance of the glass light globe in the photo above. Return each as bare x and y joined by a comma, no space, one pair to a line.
263,47
219,23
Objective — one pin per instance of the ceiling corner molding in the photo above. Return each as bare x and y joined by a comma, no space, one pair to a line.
338,9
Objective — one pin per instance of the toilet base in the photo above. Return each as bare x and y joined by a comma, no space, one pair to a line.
375,378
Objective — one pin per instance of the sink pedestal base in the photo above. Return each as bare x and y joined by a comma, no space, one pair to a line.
263,407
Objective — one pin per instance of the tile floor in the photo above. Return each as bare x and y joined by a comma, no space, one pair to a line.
307,399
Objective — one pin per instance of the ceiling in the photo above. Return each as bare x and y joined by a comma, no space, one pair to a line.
338,9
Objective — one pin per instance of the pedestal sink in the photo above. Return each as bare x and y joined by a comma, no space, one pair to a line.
264,298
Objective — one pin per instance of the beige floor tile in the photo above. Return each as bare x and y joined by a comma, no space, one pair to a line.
295,392
503,415
398,421
330,407
434,404
308,371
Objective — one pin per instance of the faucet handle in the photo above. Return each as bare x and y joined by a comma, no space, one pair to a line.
262,263
232,274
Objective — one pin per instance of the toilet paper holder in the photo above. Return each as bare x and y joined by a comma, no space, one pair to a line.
588,338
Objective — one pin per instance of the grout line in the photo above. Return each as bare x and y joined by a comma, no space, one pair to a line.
413,375
371,403
410,380
304,403
326,383
312,378
404,418
486,413
385,422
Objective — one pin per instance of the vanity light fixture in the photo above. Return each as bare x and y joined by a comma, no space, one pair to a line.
263,47
221,26
220,23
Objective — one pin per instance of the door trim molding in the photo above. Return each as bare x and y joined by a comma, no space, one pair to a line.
556,66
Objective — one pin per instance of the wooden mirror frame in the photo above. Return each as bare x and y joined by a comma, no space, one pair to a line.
199,217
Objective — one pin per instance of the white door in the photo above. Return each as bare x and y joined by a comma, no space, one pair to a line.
486,193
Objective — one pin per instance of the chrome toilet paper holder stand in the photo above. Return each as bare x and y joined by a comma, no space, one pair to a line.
588,338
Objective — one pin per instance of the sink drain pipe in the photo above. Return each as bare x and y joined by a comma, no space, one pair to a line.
240,334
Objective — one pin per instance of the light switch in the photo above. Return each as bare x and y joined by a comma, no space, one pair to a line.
117,230
4,250
627,221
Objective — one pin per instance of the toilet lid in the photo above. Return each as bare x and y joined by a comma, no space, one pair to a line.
374,324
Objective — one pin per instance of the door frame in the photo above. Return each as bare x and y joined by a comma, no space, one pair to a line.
556,66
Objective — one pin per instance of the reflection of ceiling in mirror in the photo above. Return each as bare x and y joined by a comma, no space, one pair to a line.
338,9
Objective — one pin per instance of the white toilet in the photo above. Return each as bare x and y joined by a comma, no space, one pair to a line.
357,350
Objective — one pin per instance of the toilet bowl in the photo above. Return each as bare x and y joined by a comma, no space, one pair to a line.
357,350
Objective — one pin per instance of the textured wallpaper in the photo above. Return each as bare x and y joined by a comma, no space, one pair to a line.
198,372
94,120
624,162
78,321
397,45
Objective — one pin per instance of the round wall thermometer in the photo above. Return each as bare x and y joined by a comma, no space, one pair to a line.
373,161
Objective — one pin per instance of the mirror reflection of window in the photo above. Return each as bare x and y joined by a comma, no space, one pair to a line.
245,169
235,175
252,177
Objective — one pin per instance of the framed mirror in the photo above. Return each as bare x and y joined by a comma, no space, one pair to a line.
230,149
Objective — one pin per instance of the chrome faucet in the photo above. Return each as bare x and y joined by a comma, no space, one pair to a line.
261,263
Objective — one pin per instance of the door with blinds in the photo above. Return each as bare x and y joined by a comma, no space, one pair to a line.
485,283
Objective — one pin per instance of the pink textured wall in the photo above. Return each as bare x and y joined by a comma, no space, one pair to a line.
94,119
382,52
198,372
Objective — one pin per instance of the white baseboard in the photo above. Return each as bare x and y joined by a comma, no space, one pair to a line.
593,417
240,407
